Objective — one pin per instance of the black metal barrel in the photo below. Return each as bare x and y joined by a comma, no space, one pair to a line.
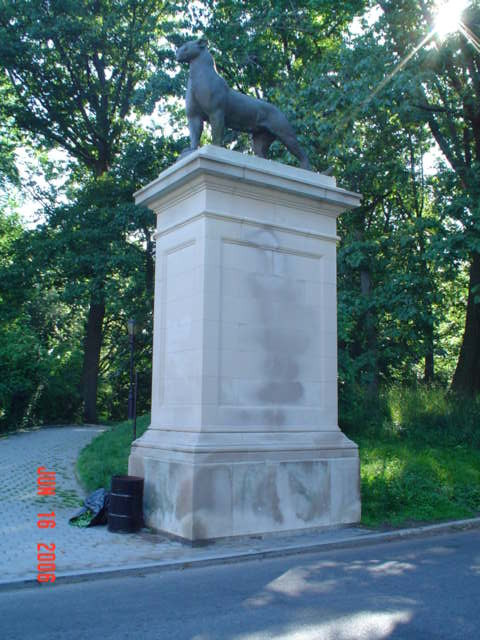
125,510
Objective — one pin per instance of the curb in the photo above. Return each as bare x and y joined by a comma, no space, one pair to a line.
365,540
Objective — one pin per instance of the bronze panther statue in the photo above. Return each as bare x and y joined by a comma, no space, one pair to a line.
209,98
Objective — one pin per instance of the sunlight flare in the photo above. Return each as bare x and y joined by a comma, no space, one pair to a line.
448,17
470,36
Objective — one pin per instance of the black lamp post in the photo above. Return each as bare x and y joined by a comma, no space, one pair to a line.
132,393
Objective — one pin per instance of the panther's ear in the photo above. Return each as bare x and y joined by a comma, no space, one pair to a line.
202,42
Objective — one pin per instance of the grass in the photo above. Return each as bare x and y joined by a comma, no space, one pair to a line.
419,455
107,454
404,484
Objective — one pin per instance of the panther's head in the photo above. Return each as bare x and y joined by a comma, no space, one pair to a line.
190,50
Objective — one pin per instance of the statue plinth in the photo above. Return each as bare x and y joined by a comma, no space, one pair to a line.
244,435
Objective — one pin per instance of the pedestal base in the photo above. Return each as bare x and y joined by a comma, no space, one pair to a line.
203,501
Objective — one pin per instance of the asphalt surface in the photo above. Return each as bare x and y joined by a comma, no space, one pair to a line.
417,589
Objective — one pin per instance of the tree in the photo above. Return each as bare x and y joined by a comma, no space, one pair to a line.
101,239
23,357
9,139
46,278
442,90
386,284
77,68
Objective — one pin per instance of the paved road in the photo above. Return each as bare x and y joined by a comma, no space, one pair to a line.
415,590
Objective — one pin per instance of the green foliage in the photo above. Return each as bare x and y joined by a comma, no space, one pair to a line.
99,241
107,454
75,67
22,367
9,136
10,230
37,358
439,90
77,72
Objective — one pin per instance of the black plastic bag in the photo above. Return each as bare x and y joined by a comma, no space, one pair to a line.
94,510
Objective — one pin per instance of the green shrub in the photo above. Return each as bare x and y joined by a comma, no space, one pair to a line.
361,412
434,416
421,414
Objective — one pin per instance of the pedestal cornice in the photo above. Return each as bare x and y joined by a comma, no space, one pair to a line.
246,170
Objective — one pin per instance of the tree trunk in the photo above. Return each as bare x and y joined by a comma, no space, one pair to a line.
93,339
428,324
91,359
429,371
371,332
467,374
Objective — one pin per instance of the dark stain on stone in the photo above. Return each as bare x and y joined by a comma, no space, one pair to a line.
183,506
281,392
280,338
150,499
265,497
213,490
273,417
199,530
281,367
310,486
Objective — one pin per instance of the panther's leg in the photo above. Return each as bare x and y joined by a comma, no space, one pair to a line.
217,122
195,126
289,139
262,142
279,126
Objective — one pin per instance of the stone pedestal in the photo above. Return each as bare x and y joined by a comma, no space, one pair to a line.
244,437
